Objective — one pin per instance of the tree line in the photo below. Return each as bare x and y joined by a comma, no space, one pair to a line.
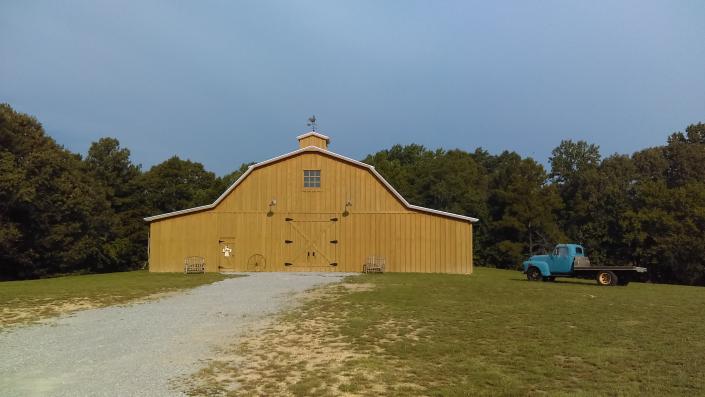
63,213
647,209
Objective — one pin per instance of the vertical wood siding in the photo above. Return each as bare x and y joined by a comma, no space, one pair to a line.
313,140
376,224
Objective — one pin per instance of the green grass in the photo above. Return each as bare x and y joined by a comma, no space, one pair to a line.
494,333
24,302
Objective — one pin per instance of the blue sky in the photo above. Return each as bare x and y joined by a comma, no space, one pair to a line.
226,82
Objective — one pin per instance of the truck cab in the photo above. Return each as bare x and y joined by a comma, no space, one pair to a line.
569,260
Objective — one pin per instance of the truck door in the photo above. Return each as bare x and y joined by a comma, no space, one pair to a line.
561,261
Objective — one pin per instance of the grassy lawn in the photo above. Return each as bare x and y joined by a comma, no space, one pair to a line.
24,302
492,333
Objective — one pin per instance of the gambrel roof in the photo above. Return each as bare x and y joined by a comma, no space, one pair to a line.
324,152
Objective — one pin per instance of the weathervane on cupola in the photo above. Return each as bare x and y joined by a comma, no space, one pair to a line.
312,123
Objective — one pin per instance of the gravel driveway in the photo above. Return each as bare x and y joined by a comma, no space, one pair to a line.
136,350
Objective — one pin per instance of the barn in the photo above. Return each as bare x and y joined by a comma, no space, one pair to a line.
312,210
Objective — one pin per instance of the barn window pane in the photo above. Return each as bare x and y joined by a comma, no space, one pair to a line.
312,178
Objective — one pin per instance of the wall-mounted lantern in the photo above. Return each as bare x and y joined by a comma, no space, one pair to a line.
345,210
272,204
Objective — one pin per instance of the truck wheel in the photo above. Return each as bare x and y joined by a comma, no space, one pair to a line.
533,274
606,278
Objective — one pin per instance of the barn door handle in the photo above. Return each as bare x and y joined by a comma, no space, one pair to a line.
308,253
313,253
288,241
334,241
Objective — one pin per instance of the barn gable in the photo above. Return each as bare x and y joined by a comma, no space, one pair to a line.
303,152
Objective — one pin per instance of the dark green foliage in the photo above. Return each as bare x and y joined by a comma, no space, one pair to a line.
47,205
61,214
177,184
523,211
666,223
575,172
647,209
116,177
444,180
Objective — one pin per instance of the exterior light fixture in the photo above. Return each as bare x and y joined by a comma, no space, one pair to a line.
272,204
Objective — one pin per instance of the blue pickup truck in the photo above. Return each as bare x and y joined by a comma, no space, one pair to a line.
569,260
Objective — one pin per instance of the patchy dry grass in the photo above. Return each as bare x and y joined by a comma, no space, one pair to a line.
23,302
492,333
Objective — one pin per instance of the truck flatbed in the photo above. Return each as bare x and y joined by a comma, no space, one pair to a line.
613,268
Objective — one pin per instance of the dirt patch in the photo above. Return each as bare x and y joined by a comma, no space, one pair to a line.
13,314
358,287
27,312
305,353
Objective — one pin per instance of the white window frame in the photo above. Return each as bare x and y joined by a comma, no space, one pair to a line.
312,179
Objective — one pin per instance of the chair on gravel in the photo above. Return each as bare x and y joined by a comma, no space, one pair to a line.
194,264
374,264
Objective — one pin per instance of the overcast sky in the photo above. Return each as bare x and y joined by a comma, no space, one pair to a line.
227,82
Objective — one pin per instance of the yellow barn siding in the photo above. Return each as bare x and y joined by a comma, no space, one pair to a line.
377,223
359,236
283,181
313,141
172,241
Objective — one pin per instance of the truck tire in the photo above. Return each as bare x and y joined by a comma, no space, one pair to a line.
607,278
533,274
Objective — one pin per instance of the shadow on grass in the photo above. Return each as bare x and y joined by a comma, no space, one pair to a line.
585,282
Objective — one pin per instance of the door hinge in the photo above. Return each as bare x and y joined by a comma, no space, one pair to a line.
287,264
334,241
288,219
334,219
288,241
334,264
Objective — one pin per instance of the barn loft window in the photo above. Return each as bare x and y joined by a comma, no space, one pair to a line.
312,178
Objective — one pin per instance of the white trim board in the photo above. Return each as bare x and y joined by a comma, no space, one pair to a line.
313,133
322,151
